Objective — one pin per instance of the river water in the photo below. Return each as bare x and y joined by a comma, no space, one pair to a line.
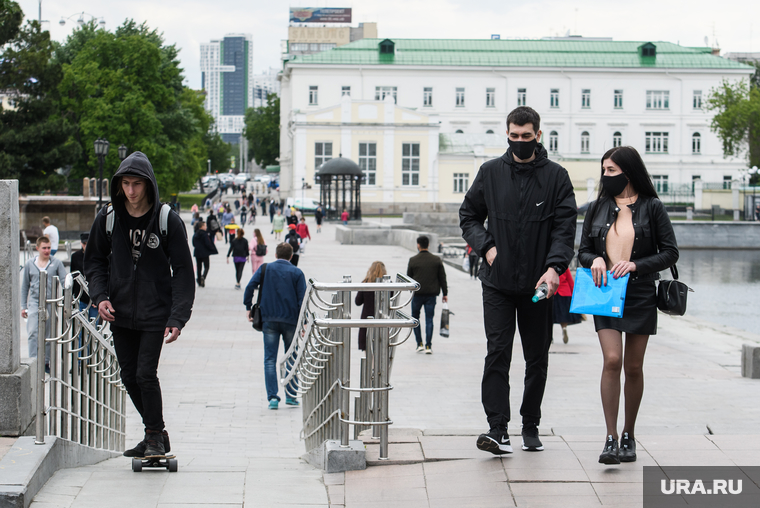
726,285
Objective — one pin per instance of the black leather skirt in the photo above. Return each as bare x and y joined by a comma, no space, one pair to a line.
639,313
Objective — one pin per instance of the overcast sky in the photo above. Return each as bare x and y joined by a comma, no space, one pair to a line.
188,23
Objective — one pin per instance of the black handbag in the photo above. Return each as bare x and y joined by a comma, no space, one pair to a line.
257,322
671,295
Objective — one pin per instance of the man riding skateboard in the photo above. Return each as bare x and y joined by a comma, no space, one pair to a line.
145,291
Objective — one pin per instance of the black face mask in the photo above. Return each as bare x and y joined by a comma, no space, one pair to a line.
614,185
523,149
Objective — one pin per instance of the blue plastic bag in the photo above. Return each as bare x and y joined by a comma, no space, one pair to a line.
607,300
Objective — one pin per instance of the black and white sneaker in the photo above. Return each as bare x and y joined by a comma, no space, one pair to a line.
496,441
610,454
530,440
627,448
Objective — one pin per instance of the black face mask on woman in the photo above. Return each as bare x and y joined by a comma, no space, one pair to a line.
614,185
523,149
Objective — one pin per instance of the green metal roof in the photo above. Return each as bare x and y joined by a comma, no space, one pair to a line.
520,53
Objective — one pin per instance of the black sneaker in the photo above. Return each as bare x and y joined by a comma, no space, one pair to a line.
627,448
530,441
610,454
139,450
496,441
154,442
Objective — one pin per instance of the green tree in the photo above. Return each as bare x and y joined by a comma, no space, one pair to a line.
218,151
262,130
34,137
127,87
737,118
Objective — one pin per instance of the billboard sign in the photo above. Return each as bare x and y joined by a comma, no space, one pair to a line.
320,15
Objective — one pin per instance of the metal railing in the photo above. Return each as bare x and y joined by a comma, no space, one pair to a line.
317,367
83,399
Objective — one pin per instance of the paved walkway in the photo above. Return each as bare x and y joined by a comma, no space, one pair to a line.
234,452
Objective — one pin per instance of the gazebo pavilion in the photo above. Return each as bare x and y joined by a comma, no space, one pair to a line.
340,188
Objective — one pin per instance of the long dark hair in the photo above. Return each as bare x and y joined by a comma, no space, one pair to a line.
633,167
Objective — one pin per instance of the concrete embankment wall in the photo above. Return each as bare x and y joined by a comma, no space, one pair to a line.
406,238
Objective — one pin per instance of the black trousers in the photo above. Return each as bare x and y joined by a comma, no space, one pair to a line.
294,259
239,270
535,323
474,260
202,267
138,352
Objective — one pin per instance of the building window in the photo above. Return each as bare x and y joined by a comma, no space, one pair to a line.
489,131
460,97
427,96
660,183
697,101
381,92
368,162
726,181
299,46
345,90
410,164
461,183
696,143
490,97
554,98
617,140
313,47
553,142
459,131
585,142
586,98
522,96
618,99
658,99
322,153
325,47
656,142
313,95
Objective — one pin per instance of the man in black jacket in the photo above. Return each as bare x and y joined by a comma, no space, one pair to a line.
146,291
427,269
530,206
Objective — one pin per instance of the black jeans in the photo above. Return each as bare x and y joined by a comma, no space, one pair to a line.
474,261
202,267
535,323
294,259
138,352
239,270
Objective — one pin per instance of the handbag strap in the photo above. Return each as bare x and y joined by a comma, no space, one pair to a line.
673,269
261,286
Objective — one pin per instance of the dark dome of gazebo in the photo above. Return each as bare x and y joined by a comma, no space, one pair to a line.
339,166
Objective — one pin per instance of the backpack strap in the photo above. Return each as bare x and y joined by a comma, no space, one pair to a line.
163,220
109,221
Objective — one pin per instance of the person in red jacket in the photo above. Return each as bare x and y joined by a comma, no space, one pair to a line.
562,299
303,230
344,216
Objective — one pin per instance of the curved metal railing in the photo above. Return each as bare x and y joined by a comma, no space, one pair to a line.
82,399
317,366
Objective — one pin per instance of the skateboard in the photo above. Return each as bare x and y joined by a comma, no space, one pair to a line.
166,461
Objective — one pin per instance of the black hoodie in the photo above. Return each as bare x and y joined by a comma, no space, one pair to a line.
531,216
158,290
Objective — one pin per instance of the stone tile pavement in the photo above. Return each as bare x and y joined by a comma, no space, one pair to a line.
233,451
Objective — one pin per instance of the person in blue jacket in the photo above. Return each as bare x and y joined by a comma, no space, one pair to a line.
283,290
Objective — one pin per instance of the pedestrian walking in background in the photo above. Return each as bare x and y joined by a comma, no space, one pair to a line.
228,218
141,278
282,290
294,240
212,225
427,269
239,251
195,214
30,293
208,204
243,213
530,206
318,215
258,250
344,217
367,298
272,210
562,300
252,208
278,224
626,230
474,259
77,265
303,231
203,248
52,233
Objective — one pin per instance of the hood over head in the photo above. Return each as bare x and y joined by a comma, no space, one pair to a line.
137,164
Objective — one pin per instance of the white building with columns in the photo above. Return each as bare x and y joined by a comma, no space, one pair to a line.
452,98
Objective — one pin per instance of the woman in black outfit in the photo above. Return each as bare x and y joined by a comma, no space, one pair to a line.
626,230
204,248
239,251
367,299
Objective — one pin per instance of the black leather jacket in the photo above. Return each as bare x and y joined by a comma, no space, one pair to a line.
654,246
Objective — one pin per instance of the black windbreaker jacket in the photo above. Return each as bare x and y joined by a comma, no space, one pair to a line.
156,292
531,216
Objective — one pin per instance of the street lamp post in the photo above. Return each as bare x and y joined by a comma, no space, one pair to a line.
101,150
80,19
122,152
